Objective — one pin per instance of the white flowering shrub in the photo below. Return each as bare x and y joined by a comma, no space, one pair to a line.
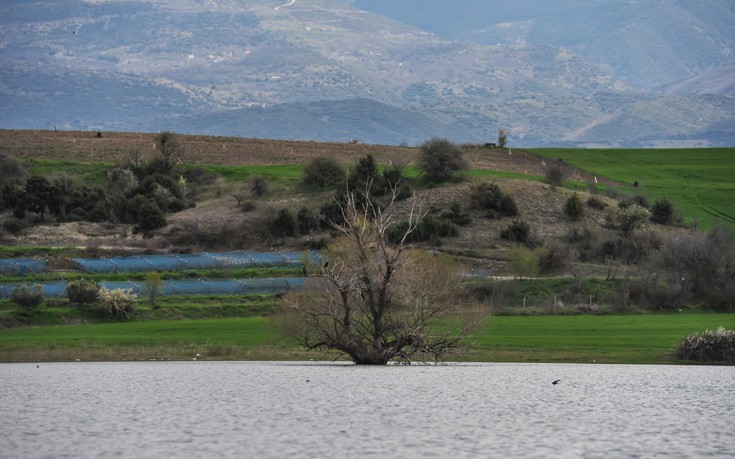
632,217
708,346
118,303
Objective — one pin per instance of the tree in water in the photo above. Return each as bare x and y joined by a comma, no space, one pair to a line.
379,301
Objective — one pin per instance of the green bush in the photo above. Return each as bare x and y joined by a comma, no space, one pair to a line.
431,228
574,208
13,225
708,346
82,291
440,159
518,231
118,303
284,224
307,221
662,212
323,173
27,296
457,215
489,197
366,175
147,215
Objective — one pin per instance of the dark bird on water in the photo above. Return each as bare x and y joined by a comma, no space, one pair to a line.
555,382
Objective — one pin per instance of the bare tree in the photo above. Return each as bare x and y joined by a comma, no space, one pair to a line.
378,301
502,137
168,146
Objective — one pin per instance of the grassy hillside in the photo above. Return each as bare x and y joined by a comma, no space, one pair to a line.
698,181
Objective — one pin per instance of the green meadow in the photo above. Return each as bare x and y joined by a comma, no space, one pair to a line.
698,181
640,339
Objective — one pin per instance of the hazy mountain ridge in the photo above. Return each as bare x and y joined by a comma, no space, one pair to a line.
326,70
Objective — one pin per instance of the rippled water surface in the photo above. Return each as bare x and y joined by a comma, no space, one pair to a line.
268,409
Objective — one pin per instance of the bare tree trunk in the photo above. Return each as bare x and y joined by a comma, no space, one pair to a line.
377,300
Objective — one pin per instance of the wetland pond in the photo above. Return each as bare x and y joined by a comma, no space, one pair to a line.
339,410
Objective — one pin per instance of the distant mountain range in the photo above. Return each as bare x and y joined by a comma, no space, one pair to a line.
570,72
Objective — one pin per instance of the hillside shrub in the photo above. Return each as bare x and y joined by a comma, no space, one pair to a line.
440,159
260,186
393,176
631,217
489,197
366,175
708,346
118,303
636,200
11,170
553,256
307,221
323,173
121,180
13,226
596,203
199,176
518,231
555,175
82,291
662,212
431,228
147,216
457,215
9,196
27,296
284,224
573,208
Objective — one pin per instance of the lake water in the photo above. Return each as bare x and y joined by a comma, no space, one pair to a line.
336,410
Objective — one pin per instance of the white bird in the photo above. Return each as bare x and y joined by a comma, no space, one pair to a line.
595,179
543,163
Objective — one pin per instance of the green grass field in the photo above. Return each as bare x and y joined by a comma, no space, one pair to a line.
646,338
86,173
698,181
287,173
